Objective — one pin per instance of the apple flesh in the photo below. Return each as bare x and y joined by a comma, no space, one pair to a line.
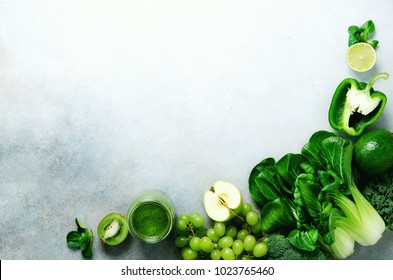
223,201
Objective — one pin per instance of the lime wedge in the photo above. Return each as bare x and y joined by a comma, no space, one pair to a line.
361,57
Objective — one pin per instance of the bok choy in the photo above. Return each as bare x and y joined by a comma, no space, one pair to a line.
312,198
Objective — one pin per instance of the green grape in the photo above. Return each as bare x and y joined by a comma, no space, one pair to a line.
195,243
212,235
206,244
246,207
238,220
215,254
246,258
225,242
181,225
227,254
219,229
249,242
231,231
181,241
237,247
189,254
182,232
260,249
256,228
197,220
252,218
184,217
202,231
242,234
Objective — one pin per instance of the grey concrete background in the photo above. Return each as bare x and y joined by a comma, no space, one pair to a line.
100,100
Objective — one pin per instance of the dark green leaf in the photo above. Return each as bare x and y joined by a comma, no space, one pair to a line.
256,194
304,240
88,251
328,238
309,191
254,189
82,238
81,226
268,184
373,43
354,30
352,40
277,215
368,26
85,240
289,167
302,216
358,34
265,178
259,167
327,178
324,218
312,150
74,239
330,182
338,152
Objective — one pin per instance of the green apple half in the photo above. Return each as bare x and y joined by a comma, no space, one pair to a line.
223,201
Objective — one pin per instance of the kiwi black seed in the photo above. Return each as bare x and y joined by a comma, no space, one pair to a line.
112,229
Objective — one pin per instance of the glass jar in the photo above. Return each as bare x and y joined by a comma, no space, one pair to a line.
151,217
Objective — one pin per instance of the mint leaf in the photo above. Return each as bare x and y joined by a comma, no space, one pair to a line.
74,239
82,239
368,27
87,252
359,34
81,226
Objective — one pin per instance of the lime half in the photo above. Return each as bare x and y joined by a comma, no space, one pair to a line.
361,57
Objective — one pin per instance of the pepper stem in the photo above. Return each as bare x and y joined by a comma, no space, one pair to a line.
374,79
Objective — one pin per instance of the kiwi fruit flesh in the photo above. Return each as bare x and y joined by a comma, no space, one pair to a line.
112,229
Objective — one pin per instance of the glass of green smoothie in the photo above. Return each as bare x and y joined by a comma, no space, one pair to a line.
151,217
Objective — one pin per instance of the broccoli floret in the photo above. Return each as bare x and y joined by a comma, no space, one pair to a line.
279,248
378,191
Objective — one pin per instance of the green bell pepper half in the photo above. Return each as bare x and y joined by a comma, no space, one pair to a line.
356,105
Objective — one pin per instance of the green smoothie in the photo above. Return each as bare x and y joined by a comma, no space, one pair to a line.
151,216
150,220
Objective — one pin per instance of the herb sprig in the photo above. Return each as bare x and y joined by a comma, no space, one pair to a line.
358,34
82,238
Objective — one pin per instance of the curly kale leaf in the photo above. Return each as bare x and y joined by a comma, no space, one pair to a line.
378,191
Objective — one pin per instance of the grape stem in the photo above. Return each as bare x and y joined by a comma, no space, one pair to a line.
190,228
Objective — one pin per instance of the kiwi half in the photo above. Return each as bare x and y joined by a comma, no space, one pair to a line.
112,229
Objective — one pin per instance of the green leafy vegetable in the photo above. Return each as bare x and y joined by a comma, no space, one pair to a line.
307,194
279,248
361,33
82,238
344,245
306,240
316,202
378,190
289,167
255,192
277,215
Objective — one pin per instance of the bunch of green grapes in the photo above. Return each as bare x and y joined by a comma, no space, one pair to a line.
238,238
